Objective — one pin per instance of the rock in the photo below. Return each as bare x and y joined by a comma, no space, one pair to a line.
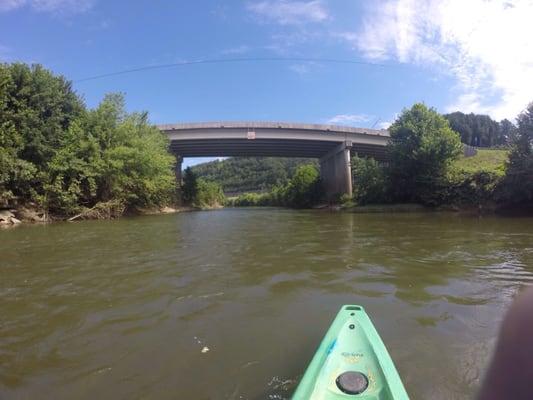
7,218
30,214
38,218
6,215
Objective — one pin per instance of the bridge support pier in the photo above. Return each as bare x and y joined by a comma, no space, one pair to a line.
336,171
177,170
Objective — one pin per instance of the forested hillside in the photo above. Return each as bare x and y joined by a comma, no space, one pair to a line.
250,174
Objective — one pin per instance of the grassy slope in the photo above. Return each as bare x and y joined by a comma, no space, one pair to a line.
485,160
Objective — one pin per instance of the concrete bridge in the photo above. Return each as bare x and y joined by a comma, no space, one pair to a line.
332,145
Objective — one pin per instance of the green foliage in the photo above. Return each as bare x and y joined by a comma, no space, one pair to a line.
421,149
201,192
110,155
189,188
473,181
251,200
304,189
518,182
370,181
250,174
41,108
488,160
57,153
35,110
469,188
209,194
481,130
16,174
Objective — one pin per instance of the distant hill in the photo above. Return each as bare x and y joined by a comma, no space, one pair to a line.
250,174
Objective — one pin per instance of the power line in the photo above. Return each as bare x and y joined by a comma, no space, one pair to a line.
374,124
230,60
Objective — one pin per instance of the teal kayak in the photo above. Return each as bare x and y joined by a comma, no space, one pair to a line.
351,363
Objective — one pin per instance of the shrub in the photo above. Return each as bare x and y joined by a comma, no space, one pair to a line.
209,194
109,155
370,181
252,200
518,181
304,189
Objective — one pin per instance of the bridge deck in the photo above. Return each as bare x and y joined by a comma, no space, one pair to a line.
271,139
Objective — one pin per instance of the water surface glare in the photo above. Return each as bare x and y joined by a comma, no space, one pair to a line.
127,309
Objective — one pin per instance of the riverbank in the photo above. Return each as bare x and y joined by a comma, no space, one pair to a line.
30,214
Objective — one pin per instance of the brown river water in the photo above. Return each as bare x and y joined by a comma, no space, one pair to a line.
123,309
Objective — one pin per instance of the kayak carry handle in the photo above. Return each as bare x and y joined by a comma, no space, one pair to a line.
353,308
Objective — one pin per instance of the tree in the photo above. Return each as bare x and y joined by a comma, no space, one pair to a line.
36,109
305,187
370,181
518,182
208,194
462,124
481,130
189,188
110,155
66,158
15,173
508,132
421,148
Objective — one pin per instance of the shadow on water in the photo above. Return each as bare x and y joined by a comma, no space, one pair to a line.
127,308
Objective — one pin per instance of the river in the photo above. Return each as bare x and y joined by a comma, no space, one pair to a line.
231,304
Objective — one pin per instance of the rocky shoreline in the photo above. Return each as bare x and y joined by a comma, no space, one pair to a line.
7,218
11,217
16,216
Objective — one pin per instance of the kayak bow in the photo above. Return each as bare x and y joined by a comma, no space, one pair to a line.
351,362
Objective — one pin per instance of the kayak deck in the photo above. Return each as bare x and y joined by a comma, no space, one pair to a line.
351,362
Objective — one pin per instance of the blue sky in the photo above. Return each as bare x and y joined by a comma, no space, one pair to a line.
446,53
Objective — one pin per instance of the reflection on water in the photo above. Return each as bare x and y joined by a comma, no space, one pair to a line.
122,309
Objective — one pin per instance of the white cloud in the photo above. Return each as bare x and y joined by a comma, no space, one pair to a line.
52,6
348,119
384,125
289,12
8,5
485,44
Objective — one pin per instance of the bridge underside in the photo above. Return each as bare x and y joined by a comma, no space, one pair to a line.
334,156
267,148
332,145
